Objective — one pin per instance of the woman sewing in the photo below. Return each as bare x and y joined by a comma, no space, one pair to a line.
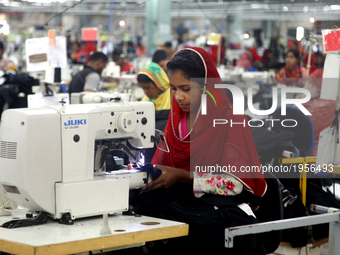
155,84
209,202
292,73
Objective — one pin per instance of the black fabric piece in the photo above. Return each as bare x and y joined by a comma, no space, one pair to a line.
271,208
270,144
316,195
161,119
154,173
297,237
21,79
25,82
9,92
78,81
7,95
42,218
302,134
207,221
111,164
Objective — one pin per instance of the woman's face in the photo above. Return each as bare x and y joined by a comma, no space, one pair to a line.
150,89
186,93
291,60
75,47
269,56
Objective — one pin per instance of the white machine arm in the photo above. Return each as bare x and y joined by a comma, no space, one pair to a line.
329,215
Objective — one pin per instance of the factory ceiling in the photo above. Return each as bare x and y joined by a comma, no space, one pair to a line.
212,9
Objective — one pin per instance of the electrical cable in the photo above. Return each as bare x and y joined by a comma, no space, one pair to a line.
42,218
63,11
132,8
206,16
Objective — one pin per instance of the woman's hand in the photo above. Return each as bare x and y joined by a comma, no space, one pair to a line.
168,177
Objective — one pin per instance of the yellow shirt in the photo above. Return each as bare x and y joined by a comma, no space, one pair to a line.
162,102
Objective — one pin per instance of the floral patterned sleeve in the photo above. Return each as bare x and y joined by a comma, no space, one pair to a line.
222,184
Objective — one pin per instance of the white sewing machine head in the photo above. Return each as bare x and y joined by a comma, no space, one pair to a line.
100,97
47,156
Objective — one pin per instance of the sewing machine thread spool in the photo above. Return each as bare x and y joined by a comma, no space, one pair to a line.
57,74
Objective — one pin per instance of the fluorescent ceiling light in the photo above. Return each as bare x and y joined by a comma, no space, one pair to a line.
335,7
300,33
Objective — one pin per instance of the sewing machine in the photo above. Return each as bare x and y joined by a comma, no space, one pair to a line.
252,78
100,97
51,158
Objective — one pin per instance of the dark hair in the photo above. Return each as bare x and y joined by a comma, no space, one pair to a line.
98,56
167,45
1,45
318,54
189,63
295,52
77,43
144,78
117,53
160,55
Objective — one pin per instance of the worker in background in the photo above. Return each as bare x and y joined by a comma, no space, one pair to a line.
89,78
319,60
292,73
87,48
248,58
75,52
245,60
168,48
119,58
161,57
155,83
267,56
6,64
213,51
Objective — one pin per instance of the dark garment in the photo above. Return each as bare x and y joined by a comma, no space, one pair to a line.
14,84
270,144
78,81
161,119
7,95
207,220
